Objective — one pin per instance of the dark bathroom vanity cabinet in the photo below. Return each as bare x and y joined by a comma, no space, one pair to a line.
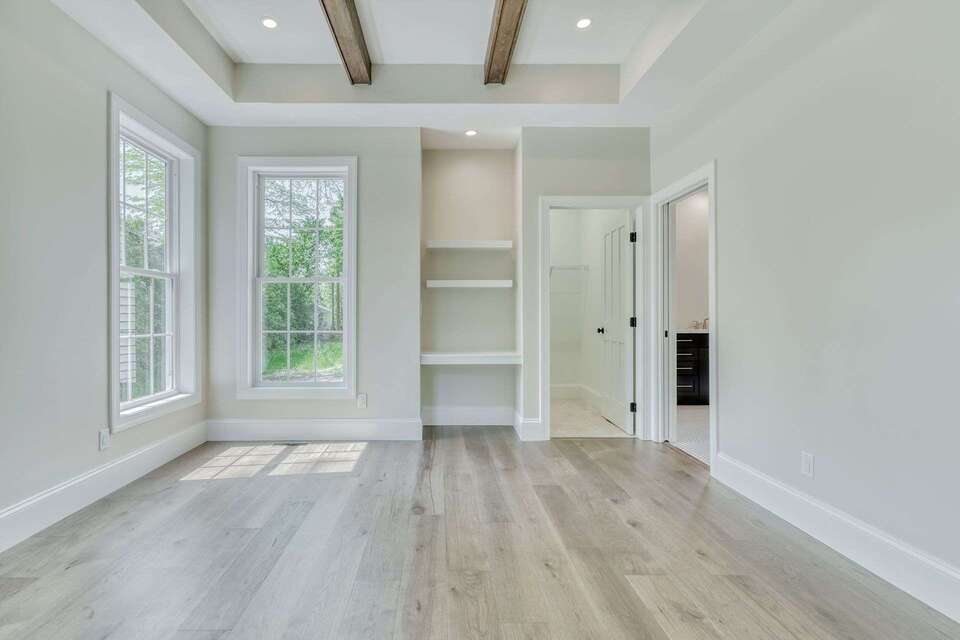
693,368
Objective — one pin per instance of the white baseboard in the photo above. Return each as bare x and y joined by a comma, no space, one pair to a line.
575,392
27,517
468,416
566,391
529,430
926,578
592,396
254,429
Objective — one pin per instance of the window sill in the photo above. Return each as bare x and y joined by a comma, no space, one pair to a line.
147,412
295,393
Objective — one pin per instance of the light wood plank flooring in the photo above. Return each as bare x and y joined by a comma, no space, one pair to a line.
576,418
468,534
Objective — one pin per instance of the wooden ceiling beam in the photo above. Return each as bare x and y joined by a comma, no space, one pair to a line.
504,30
347,33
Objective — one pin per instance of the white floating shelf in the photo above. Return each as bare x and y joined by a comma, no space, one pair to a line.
470,244
469,284
470,358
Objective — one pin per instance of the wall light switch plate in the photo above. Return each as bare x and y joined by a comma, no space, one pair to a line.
806,464
104,439
361,401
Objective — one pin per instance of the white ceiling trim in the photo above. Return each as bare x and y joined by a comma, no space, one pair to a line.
428,84
680,56
427,31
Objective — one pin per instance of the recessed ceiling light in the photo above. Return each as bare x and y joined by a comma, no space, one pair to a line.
583,23
269,23
470,132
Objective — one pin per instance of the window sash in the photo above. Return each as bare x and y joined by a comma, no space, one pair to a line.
260,280
315,332
170,322
301,280
170,275
127,137
146,273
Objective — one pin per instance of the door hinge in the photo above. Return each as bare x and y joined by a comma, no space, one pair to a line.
633,321
633,236
666,334
633,407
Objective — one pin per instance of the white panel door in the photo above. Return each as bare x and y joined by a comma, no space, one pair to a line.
617,337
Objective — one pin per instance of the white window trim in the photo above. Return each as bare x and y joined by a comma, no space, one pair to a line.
248,239
184,234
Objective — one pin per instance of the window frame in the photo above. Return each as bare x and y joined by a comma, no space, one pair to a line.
250,171
171,251
181,262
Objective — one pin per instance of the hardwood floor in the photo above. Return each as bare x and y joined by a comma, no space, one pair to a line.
468,534
577,418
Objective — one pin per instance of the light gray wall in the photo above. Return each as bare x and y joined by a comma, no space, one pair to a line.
518,273
568,297
691,297
54,250
388,263
468,194
571,161
839,217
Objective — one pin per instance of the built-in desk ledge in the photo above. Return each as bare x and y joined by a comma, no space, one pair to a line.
469,284
470,244
470,358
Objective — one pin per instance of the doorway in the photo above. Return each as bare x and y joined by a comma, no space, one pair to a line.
591,303
684,301
688,322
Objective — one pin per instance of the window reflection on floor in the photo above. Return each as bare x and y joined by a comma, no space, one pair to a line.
236,462
330,457
246,461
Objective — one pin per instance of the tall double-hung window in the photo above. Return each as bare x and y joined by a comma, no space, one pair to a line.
153,276
300,293
147,277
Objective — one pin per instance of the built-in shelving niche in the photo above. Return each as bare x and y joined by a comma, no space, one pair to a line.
471,358
470,353
469,284
471,245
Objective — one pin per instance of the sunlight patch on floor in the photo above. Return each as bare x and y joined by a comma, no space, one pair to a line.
331,457
236,462
248,461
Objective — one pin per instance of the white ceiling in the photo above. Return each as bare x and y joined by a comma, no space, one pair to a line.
428,31
549,34
302,37
692,48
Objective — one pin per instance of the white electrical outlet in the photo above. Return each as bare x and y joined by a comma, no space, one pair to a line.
104,439
806,464
361,401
